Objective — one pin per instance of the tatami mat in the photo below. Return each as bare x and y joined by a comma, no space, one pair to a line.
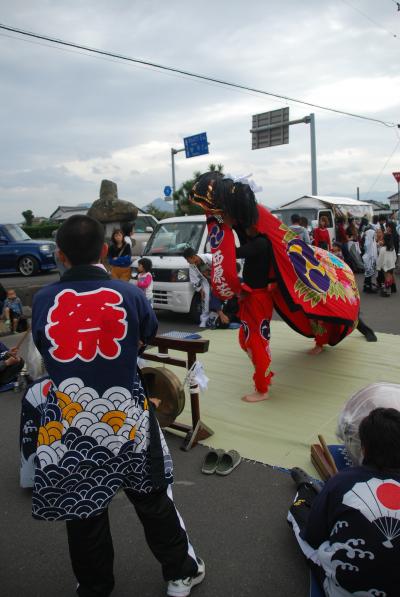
306,396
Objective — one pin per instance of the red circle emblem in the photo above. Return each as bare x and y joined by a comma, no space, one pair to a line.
389,495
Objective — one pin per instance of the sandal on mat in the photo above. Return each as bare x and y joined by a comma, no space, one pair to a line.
228,462
211,461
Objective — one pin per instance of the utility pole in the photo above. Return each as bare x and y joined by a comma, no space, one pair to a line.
173,152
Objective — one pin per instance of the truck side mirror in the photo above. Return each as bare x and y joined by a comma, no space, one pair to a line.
149,229
3,239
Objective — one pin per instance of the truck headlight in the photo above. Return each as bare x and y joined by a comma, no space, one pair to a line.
45,248
179,275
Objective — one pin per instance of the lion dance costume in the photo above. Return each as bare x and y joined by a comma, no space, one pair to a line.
313,291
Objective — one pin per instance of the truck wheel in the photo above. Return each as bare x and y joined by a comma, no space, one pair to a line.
28,266
195,308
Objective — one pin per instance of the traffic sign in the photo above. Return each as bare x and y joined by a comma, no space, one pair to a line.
167,191
196,145
396,175
270,128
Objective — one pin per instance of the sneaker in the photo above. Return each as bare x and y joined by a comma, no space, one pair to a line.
183,586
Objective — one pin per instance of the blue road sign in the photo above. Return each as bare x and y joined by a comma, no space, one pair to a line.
196,145
167,191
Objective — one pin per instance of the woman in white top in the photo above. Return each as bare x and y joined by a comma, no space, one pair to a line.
386,264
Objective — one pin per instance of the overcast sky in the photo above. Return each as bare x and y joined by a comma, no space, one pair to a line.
68,119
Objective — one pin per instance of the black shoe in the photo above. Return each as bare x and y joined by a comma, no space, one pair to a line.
369,290
300,477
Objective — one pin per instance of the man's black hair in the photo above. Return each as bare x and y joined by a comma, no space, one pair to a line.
81,239
127,228
147,263
375,219
295,218
189,252
380,438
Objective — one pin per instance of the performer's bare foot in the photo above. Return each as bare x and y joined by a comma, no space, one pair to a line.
256,397
316,350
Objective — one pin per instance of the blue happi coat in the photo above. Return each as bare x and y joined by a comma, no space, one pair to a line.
97,433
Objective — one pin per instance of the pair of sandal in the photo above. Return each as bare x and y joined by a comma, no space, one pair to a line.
220,462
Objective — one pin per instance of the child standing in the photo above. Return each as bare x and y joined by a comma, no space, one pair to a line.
119,257
386,264
145,279
12,310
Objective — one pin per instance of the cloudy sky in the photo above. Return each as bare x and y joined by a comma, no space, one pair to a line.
68,119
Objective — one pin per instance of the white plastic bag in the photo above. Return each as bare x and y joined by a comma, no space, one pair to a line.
34,362
381,394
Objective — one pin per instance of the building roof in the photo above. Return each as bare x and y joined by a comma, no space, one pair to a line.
65,211
329,199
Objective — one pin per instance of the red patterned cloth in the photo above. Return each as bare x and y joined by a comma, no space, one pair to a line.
316,292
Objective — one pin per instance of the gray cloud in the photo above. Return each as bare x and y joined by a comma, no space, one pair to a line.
69,120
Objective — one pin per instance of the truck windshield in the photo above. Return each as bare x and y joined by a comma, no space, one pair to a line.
285,214
173,238
16,233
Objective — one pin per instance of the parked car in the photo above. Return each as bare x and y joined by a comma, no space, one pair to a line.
172,289
144,226
20,253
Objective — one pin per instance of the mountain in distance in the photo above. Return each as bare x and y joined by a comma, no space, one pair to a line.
161,205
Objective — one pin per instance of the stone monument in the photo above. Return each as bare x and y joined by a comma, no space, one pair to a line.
111,211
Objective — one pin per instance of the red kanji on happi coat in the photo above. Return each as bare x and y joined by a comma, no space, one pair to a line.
86,324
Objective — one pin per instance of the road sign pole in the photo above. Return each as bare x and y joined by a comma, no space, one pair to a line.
173,168
314,186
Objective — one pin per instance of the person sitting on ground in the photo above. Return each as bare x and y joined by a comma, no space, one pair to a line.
386,263
10,364
322,238
119,256
299,229
228,314
144,278
200,273
12,310
349,532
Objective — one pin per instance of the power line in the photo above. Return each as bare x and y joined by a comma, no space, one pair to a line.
191,74
384,166
371,20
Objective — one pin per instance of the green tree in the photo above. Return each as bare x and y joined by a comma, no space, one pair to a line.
28,216
159,214
181,196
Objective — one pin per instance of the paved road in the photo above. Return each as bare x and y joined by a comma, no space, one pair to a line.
18,280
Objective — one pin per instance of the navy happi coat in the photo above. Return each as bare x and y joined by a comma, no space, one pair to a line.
97,433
